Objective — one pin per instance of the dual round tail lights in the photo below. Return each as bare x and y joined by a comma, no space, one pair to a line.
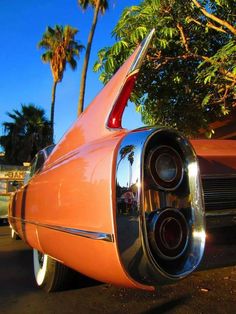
165,167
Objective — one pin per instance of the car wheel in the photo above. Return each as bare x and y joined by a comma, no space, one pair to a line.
49,273
14,235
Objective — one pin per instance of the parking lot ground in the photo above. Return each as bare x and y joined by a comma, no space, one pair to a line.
208,291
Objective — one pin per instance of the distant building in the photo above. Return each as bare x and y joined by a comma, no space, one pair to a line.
11,178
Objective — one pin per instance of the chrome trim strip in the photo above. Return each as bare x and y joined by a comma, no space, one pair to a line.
218,176
101,236
142,53
214,222
219,213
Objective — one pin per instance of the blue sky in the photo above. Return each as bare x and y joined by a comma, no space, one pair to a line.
25,79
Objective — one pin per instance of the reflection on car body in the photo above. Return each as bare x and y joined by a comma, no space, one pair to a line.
124,207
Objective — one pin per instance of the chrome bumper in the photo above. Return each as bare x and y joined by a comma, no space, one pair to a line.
220,219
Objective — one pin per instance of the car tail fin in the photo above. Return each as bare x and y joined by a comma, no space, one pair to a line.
115,116
108,106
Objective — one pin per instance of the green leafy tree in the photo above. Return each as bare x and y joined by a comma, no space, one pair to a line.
189,76
61,48
99,6
27,133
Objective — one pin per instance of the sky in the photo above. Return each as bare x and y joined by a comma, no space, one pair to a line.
25,79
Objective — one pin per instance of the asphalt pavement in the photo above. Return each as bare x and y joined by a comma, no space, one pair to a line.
205,291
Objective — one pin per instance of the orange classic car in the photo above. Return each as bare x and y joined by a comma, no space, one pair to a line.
128,208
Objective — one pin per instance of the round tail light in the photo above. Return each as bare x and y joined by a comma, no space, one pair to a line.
168,233
165,167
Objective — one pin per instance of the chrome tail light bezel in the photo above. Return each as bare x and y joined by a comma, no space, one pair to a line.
133,234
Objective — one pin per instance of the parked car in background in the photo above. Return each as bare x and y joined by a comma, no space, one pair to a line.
124,207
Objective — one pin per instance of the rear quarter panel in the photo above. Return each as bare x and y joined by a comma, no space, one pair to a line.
78,192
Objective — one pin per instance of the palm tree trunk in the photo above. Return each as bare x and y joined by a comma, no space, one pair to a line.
86,59
52,109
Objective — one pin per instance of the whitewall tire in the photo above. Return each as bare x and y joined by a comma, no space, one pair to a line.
49,273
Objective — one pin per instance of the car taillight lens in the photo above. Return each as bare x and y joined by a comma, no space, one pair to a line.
165,167
168,233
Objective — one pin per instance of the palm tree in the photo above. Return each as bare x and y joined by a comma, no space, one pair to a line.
61,48
27,133
98,5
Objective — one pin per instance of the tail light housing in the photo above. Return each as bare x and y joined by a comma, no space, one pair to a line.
161,231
